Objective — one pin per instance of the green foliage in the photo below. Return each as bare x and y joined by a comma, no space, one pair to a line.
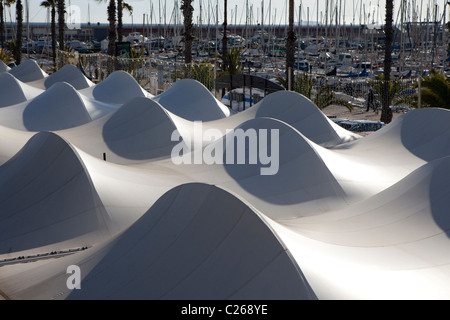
136,54
324,97
436,91
395,92
301,84
48,4
205,73
127,7
232,63
10,46
6,56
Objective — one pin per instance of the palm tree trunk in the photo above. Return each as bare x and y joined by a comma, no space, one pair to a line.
386,112
119,20
187,13
112,28
61,23
19,17
225,39
2,25
290,47
54,34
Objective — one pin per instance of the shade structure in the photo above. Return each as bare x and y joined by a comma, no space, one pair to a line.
341,216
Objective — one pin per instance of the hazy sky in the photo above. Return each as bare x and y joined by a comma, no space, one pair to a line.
353,10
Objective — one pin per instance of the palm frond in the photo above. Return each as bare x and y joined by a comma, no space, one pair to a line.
6,56
436,91
325,97
127,7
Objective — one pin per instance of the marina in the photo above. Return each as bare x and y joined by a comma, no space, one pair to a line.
345,56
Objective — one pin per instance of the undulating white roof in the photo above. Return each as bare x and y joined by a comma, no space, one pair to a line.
88,177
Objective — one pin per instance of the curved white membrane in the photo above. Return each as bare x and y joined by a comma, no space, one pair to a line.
191,100
28,71
14,91
70,74
4,67
338,217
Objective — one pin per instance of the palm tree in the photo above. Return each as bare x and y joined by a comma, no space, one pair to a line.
61,23
290,47
188,10
436,91
121,5
6,56
52,4
204,73
2,24
225,39
19,40
395,90
112,28
231,62
112,36
302,84
119,19
19,35
386,112
324,97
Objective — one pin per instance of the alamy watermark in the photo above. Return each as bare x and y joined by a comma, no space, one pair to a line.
73,20
238,146
74,280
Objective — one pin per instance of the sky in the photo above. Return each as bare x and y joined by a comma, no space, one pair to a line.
354,11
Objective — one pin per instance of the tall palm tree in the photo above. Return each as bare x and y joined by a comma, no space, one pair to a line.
225,39
19,35
386,112
290,47
112,36
121,5
2,24
52,5
188,10
19,40
119,19
61,23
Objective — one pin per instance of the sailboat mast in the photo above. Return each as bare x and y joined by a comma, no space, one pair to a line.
200,26
402,10
307,23
217,23
317,26
326,22
360,21
262,28
235,19
28,28
246,21
299,38
337,29
165,22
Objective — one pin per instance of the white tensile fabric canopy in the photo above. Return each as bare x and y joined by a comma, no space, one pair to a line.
88,178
